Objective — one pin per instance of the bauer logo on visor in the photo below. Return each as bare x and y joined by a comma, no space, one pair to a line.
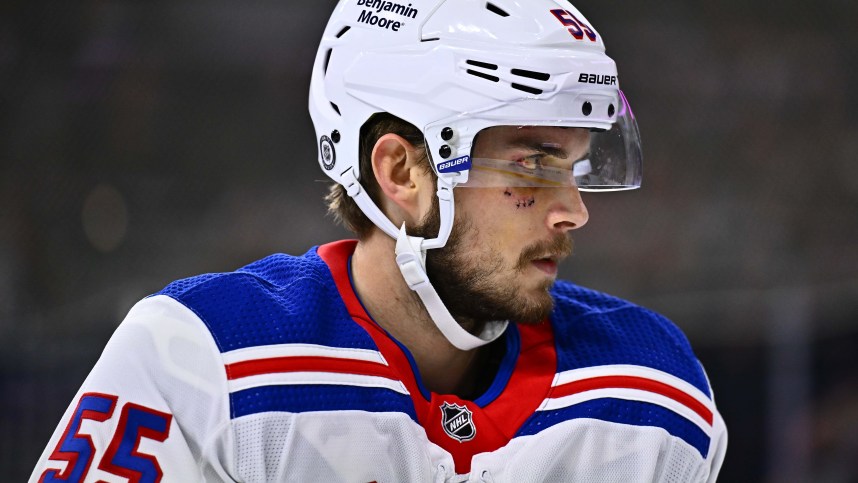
455,165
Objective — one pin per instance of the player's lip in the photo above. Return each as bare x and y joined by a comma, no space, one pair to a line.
547,265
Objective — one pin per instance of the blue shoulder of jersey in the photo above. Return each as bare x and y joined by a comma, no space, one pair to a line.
280,299
283,300
593,329
597,332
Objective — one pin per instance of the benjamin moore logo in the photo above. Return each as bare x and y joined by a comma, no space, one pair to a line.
455,165
458,422
367,16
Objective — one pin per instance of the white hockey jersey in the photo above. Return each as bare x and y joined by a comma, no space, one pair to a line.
275,372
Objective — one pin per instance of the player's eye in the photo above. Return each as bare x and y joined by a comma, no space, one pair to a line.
533,162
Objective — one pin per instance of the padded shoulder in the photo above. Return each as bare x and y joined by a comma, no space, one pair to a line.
280,299
595,329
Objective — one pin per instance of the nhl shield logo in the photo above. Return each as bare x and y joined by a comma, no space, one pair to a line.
458,422
329,154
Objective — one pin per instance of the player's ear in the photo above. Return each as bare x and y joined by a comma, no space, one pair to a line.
395,163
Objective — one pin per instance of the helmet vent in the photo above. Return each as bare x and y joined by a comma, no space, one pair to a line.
531,74
531,90
497,10
343,31
336,108
484,65
483,75
327,59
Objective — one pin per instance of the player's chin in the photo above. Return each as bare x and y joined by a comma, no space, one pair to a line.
538,283
536,307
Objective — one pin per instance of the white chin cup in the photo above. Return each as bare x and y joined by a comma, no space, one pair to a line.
411,258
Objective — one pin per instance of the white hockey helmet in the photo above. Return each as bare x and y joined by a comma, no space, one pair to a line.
455,67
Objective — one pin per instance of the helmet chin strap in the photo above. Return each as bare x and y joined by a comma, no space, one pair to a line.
411,258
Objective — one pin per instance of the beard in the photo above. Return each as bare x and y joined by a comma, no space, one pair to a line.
479,287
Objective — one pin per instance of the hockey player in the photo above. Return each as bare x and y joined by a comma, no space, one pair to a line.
438,346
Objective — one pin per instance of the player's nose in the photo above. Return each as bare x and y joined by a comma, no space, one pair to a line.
567,210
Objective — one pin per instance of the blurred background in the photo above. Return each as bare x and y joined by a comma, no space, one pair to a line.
142,142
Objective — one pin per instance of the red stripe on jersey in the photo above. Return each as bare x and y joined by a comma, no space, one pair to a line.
530,382
336,257
273,365
633,382
499,420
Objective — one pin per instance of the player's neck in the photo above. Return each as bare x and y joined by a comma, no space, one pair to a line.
380,286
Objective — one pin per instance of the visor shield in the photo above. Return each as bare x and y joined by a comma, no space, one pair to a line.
545,156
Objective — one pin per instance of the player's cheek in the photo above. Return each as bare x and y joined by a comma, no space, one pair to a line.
520,198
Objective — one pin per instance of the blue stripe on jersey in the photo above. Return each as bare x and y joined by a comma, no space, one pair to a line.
595,329
507,366
411,362
622,411
300,398
280,299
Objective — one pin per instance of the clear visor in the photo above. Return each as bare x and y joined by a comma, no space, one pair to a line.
548,156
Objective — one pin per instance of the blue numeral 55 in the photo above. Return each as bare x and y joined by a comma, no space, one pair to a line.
122,457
